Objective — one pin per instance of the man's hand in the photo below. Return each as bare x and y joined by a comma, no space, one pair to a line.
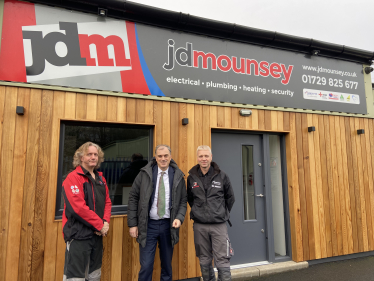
98,233
105,229
176,223
134,232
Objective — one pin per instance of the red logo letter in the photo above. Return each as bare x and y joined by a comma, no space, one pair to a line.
102,44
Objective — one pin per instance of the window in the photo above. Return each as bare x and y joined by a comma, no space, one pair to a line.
276,180
248,183
127,148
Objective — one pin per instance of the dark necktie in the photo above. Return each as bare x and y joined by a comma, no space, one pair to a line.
161,197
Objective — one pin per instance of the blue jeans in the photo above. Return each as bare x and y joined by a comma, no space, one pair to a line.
157,231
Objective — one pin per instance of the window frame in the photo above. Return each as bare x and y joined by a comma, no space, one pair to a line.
286,211
116,209
254,201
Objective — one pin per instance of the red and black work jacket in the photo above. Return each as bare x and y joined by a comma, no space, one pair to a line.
86,205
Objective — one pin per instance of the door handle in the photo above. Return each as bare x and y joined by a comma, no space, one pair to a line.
260,195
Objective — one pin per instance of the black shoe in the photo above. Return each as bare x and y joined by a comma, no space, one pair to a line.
207,272
224,274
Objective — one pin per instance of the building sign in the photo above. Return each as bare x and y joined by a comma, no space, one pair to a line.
54,46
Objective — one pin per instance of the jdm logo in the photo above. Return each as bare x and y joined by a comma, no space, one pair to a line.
72,49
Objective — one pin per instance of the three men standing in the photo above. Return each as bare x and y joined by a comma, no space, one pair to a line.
211,198
86,215
156,209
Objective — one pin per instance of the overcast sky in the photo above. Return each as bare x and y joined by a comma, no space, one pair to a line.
344,22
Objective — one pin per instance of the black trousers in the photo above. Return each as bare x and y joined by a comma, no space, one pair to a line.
83,259
157,231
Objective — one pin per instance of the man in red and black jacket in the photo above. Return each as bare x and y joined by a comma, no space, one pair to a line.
86,215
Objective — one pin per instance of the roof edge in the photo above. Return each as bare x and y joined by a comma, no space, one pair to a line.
127,10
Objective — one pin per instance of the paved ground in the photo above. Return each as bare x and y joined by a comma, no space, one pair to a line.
360,269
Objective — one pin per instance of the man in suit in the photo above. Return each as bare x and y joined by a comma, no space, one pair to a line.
156,209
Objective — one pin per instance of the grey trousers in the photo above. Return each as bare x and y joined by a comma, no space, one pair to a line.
212,240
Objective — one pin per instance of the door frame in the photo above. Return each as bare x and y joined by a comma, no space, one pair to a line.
270,252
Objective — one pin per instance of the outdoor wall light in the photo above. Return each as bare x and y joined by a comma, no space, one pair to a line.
245,112
20,110
184,121
102,12
311,129
368,69
315,52
360,131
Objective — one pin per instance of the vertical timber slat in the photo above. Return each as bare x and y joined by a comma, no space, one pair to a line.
346,185
51,227
18,175
356,186
7,149
370,159
330,183
112,109
60,252
351,184
324,179
42,188
300,167
340,186
28,205
365,166
360,183
81,106
116,258
318,187
91,107
293,192
335,184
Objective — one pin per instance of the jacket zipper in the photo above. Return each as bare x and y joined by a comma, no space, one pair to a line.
211,180
93,196
196,178
93,192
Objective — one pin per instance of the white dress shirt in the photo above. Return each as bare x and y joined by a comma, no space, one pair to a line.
153,213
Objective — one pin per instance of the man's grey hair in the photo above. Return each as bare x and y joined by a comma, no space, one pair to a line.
83,149
161,146
204,147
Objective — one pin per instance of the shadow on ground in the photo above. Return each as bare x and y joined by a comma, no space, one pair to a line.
360,269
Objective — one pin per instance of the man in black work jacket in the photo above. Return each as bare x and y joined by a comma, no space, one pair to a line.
156,210
211,198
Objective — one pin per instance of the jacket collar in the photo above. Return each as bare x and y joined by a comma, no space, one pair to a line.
153,162
79,171
148,168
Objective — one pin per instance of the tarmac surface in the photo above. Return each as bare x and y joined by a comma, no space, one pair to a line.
359,269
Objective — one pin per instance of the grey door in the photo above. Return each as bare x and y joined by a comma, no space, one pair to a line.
240,156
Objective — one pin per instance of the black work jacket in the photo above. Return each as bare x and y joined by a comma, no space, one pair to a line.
214,204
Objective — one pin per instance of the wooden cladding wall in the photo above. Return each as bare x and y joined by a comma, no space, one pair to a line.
330,180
